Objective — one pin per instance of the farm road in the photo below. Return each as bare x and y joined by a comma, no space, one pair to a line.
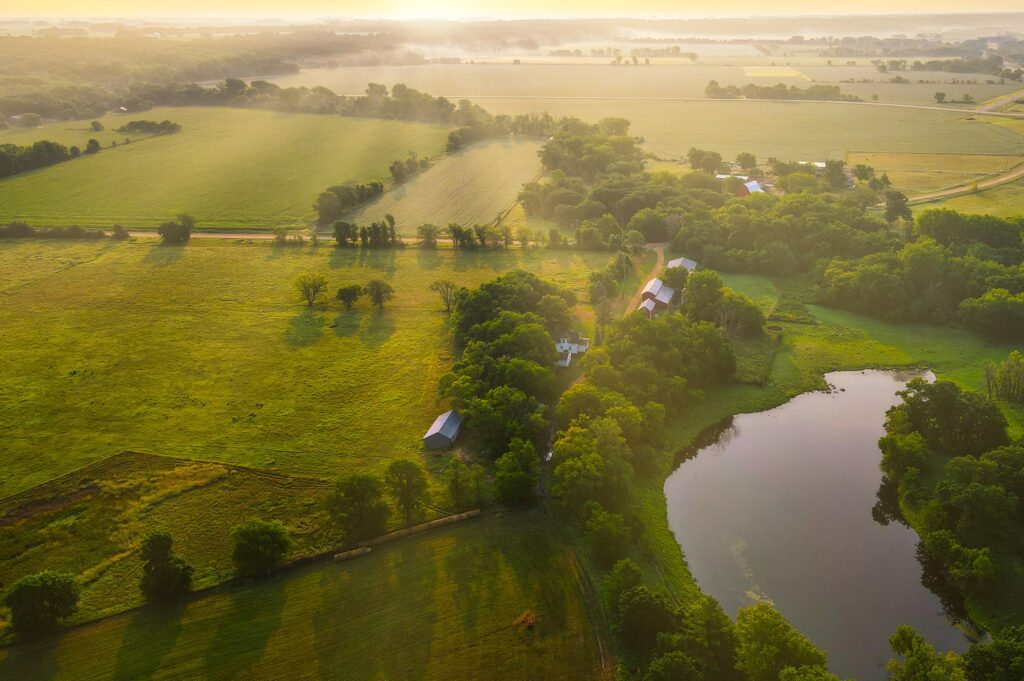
1015,174
634,302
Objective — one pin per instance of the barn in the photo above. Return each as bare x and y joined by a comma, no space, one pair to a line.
444,430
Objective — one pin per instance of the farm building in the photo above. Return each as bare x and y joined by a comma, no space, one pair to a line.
570,343
691,265
656,291
647,307
564,358
748,188
443,431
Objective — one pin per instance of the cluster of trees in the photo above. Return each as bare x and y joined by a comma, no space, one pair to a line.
312,285
142,127
969,516
992,64
16,159
380,234
824,93
22,230
40,601
1006,379
583,150
403,170
503,377
177,231
335,201
359,507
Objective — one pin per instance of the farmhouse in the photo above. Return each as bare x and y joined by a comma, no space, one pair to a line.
656,291
570,343
444,430
690,265
748,188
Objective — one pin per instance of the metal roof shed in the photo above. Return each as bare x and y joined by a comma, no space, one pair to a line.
444,430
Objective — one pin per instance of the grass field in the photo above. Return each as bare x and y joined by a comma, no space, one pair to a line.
787,130
447,604
470,187
919,173
230,168
92,521
206,351
1005,201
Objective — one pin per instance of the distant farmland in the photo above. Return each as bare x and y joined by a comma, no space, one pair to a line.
230,168
469,187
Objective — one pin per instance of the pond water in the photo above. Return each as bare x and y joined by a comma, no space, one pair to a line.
782,505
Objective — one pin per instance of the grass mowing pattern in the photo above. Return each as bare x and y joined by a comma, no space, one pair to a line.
207,351
472,186
229,168
448,604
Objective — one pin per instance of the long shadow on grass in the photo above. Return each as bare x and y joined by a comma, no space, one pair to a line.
246,624
305,328
380,259
149,635
162,254
476,567
36,660
428,259
346,324
377,329
342,257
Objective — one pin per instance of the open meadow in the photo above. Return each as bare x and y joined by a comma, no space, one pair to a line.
471,186
448,604
206,351
921,173
229,168
1005,201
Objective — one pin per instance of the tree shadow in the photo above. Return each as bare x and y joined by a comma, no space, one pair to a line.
475,566
428,258
304,329
163,254
149,635
346,323
243,630
377,330
36,660
380,259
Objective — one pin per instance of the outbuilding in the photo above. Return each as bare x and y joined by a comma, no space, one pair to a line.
444,431
686,263
748,188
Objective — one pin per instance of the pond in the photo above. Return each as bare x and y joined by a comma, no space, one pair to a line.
788,505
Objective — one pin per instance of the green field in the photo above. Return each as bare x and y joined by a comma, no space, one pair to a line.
230,168
447,604
920,173
469,187
1005,201
786,130
206,351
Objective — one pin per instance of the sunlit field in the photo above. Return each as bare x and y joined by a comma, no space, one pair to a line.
229,168
919,173
1005,201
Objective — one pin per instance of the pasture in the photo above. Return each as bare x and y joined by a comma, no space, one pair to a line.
920,173
471,186
1005,201
206,351
448,604
229,168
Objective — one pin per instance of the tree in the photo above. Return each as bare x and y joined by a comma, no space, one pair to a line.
1002,659
406,482
259,546
177,231
675,277
165,576
379,292
608,535
515,477
459,484
920,661
447,290
357,504
940,97
896,206
624,576
348,295
674,666
702,294
738,315
768,643
96,126
310,286
746,160
39,601
92,146
640,617
427,234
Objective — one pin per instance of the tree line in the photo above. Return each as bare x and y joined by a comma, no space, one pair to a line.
144,127
818,92
16,159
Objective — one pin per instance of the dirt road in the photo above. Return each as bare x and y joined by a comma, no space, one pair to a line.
634,302
1014,174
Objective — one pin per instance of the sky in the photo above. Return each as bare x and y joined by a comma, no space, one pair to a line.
407,9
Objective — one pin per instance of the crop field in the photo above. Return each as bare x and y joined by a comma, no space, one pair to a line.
448,604
1004,201
92,521
919,173
787,130
229,168
472,186
206,351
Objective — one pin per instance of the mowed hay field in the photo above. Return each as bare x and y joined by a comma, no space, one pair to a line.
447,604
206,351
787,130
229,168
919,173
1005,201
471,186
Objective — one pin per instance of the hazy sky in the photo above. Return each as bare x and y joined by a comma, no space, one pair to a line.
487,8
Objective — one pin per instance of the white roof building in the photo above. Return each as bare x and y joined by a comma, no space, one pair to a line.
691,265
